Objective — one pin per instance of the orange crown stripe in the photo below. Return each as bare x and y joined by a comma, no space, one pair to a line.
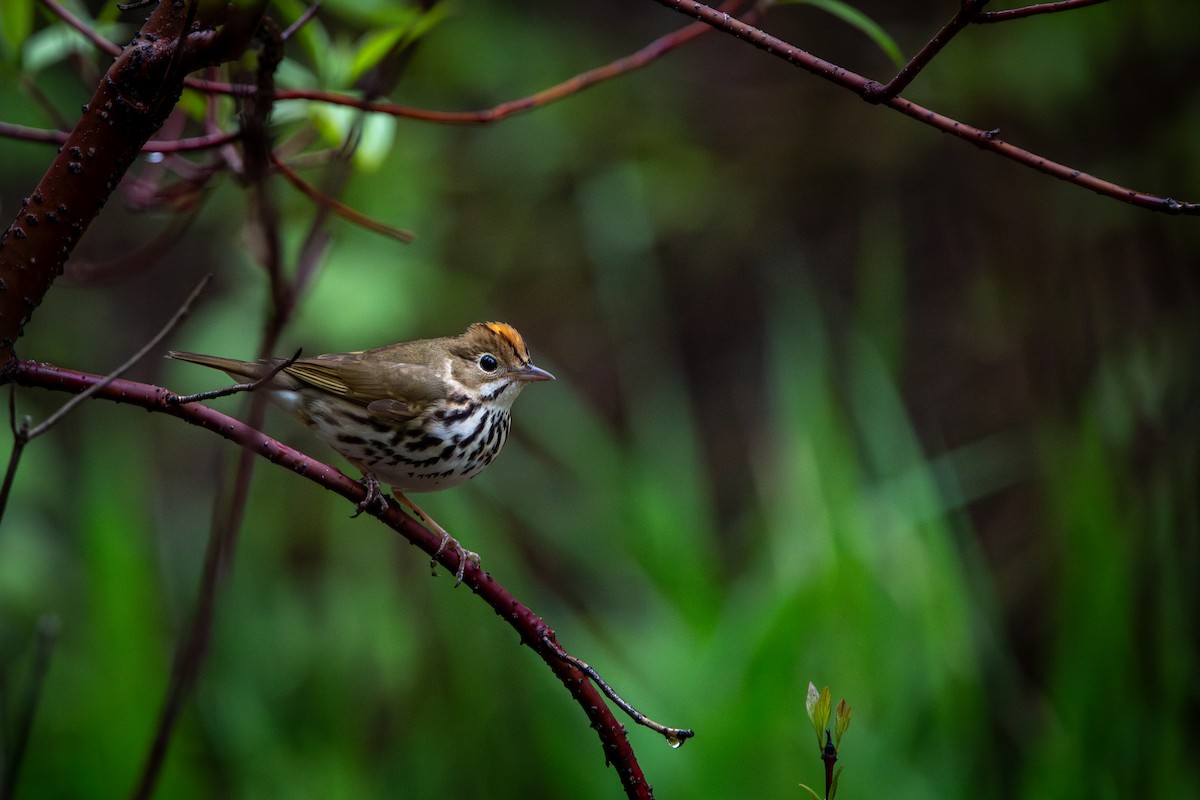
510,335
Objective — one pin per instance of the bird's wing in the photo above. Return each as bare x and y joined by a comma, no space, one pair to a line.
397,391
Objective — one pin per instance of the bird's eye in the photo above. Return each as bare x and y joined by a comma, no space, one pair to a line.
488,362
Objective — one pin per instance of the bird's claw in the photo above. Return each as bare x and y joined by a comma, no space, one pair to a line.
463,556
374,496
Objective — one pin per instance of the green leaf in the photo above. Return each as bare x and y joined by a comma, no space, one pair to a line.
375,46
821,713
808,789
378,133
837,776
855,18
408,28
51,45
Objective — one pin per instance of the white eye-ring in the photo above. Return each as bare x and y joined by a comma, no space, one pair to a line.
488,362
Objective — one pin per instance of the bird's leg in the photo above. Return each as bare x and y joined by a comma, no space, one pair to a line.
373,495
447,540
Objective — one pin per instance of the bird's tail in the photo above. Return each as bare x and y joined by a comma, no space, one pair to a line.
236,369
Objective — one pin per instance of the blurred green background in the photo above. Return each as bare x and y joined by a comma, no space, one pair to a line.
840,399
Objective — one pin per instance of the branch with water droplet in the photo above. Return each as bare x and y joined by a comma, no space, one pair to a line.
674,736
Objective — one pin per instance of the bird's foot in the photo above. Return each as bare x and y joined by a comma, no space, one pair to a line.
460,551
374,495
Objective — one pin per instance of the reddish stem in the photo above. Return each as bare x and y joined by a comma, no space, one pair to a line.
651,52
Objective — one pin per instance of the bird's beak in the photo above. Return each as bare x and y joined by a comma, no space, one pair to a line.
532,373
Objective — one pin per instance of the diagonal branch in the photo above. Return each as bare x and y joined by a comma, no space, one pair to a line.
867,89
532,629
966,14
338,207
1038,8
23,434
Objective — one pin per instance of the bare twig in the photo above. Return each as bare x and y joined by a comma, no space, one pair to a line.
20,439
30,86
966,13
142,352
211,141
24,434
300,22
984,139
47,635
646,55
531,628
183,399
75,22
1029,11
674,736
341,209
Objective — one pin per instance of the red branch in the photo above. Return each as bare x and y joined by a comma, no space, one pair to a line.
656,49
532,629
870,90
337,207
210,141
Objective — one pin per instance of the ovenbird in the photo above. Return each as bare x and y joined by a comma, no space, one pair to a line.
420,416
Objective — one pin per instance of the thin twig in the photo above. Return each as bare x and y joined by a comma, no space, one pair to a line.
75,22
142,352
341,209
24,435
9,130
641,58
172,399
300,22
1029,11
983,139
47,636
20,439
966,13
674,736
